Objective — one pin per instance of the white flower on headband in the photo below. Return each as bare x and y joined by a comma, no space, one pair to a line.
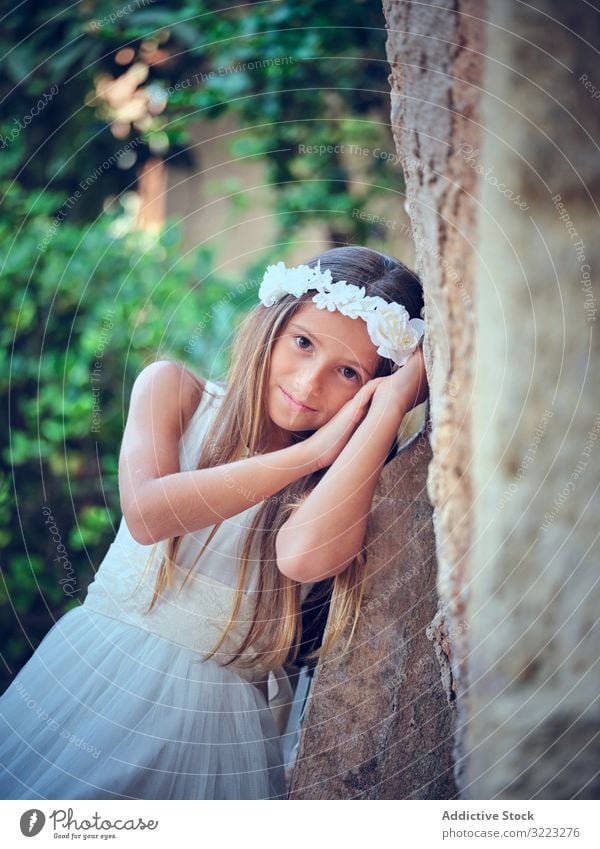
395,334
279,281
391,330
340,296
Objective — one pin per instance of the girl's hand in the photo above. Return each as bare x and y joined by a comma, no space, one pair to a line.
404,389
326,443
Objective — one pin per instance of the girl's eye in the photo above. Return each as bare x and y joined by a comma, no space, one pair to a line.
299,341
303,347
353,376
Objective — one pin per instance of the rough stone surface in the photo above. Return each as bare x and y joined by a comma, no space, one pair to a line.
436,57
380,720
497,124
534,713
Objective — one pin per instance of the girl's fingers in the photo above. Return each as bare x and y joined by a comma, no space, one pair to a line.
368,389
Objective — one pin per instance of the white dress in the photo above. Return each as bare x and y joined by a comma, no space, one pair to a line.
119,704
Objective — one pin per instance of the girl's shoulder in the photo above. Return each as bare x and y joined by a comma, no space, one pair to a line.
166,379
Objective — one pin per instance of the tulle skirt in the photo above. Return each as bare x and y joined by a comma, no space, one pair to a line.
106,710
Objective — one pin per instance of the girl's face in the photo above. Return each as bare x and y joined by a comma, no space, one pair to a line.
318,363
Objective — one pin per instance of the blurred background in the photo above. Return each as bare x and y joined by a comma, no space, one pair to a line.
155,157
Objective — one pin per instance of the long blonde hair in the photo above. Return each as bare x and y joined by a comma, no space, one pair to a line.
241,429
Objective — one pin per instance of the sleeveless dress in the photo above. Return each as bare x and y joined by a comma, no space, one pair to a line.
119,704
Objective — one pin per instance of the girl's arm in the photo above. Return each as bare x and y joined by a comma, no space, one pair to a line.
326,532
160,501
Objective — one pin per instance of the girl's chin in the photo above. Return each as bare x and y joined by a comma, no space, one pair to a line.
286,437
304,434
295,430
291,428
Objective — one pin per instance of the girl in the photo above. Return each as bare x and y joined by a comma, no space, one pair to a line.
239,502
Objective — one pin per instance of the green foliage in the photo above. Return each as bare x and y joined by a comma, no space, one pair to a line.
297,75
292,74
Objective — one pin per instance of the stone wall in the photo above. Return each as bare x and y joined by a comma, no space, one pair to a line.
534,600
436,59
497,123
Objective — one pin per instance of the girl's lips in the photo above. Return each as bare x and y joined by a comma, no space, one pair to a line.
294,404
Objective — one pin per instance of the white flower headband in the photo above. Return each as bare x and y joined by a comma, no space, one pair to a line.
391,330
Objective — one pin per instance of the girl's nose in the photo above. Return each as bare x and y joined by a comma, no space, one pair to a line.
309,382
